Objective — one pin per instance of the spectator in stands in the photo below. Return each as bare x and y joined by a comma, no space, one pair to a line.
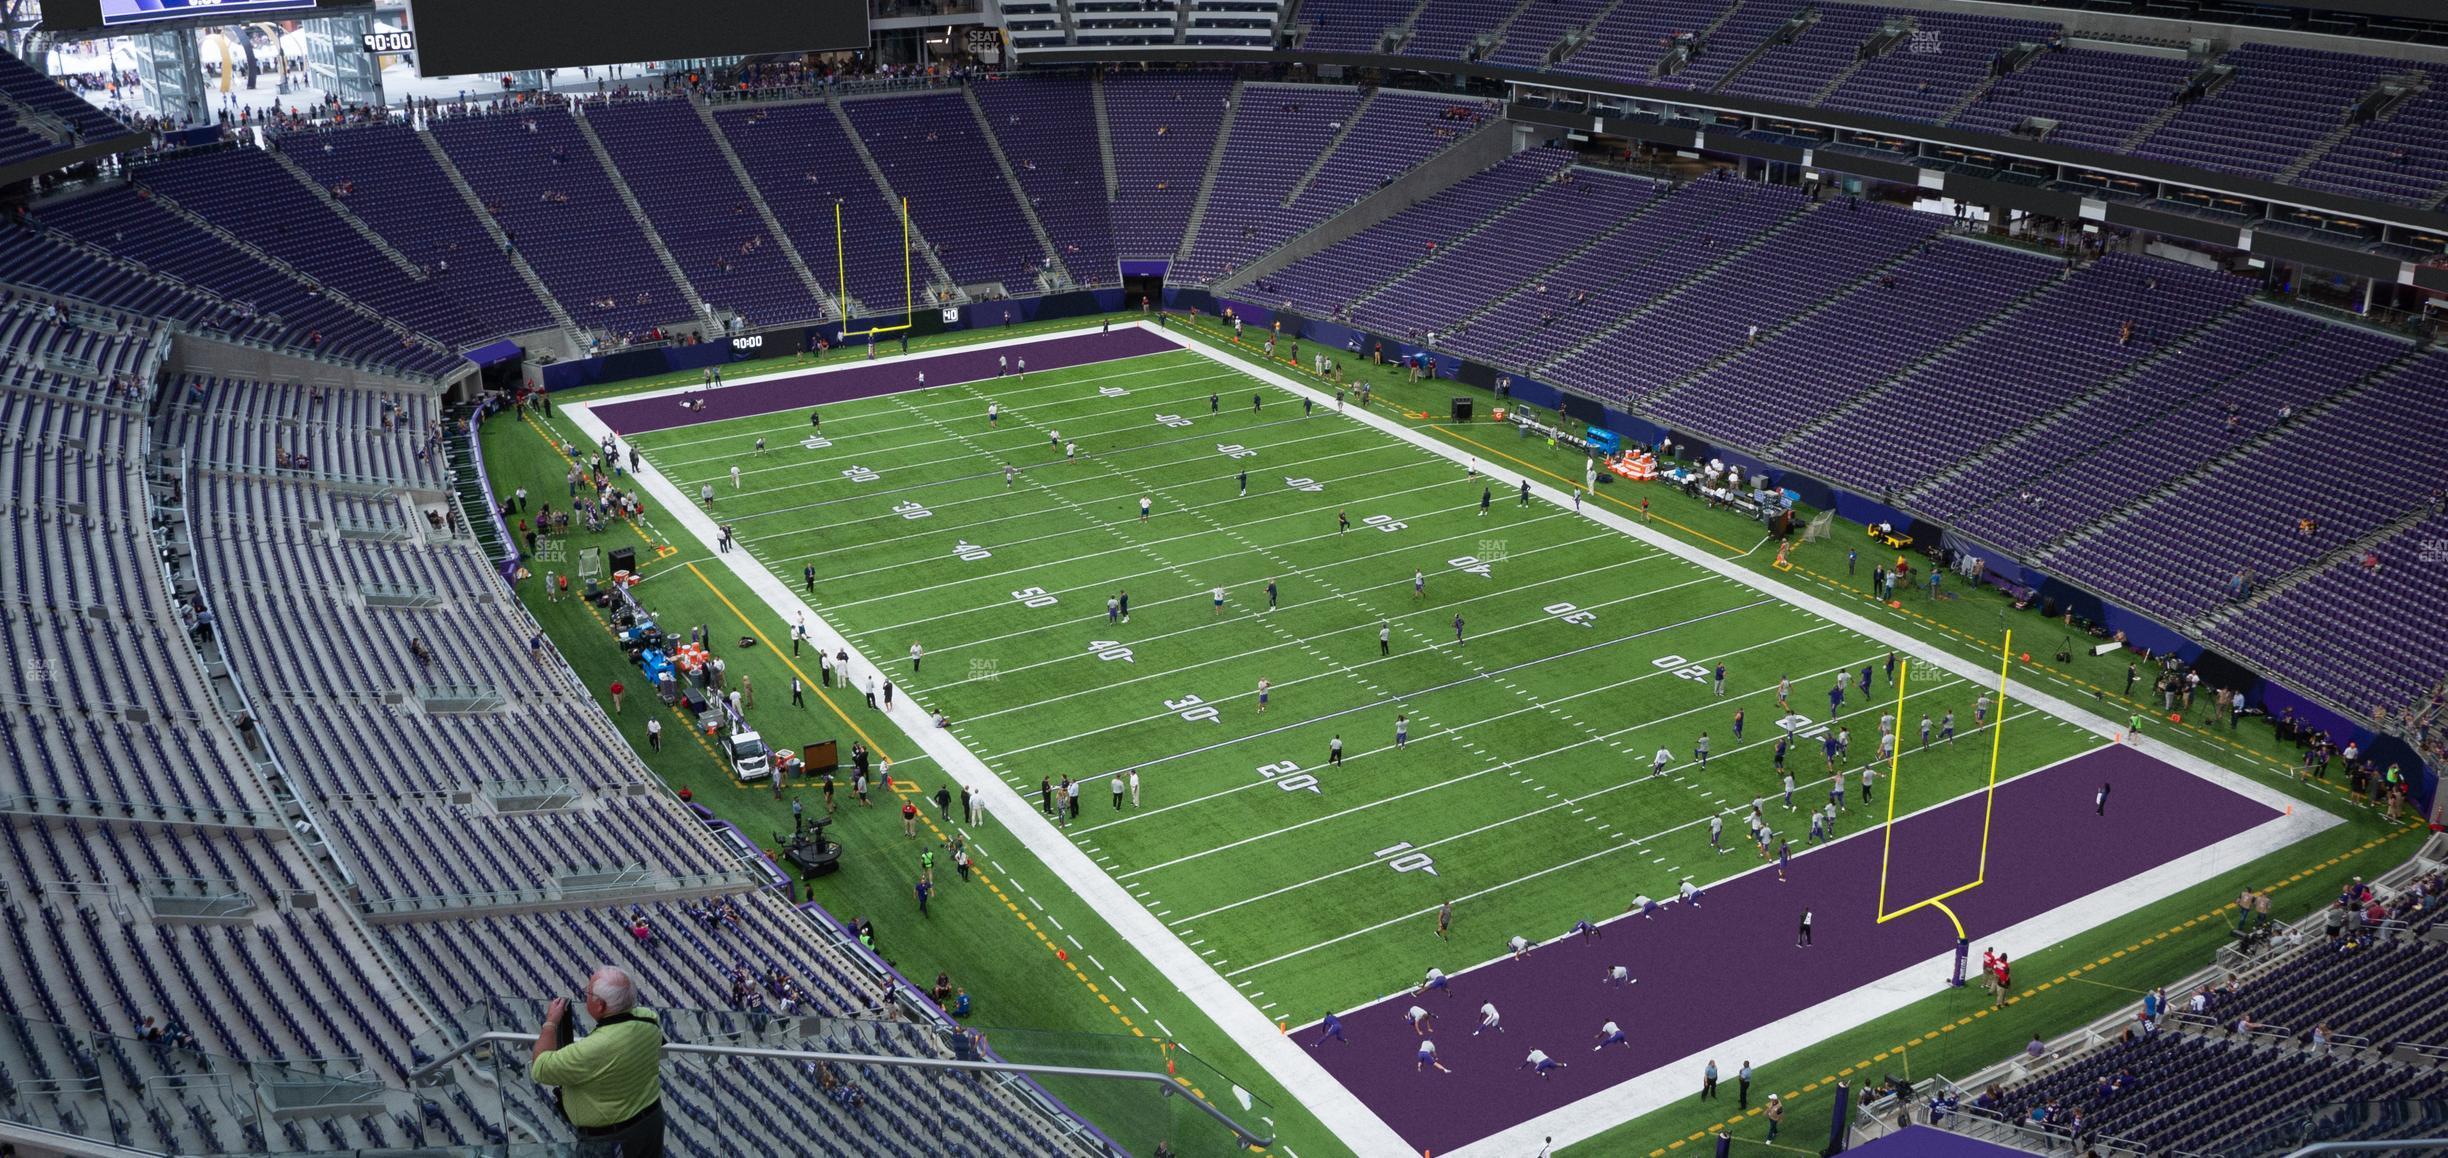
610,1080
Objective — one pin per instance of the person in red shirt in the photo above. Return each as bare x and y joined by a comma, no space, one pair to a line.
2005,981
617,689
909,820
1989,964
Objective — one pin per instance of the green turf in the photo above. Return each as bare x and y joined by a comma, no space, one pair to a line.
1525,783
1525,778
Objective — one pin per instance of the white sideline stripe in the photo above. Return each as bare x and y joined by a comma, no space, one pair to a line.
936,424
1352,1122
1048,380
1667,1084
884,360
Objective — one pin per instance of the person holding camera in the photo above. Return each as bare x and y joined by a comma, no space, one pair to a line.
610,1081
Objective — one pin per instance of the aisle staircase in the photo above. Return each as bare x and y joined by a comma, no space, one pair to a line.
1020,196
1215,165
645,224
344,213
765,213
942,283
501,242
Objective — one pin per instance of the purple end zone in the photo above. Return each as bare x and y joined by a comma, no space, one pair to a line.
1728,966
864,379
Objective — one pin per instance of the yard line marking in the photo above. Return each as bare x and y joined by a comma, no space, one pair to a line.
1050,380
1455,730
1552,869
1006,573
1366,662
1426,788
900,447
1229,556
1431,689
999,494
804,465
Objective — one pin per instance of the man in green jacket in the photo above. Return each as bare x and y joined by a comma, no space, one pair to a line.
610,1080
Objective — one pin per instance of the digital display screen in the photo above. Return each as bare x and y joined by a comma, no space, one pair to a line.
118,12
479,37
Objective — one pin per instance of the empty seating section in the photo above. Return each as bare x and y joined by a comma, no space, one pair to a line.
2063,344
2186,1094
1447,29
2323,632
37,116
1047,128
60,265
700,967
1163,127
84,354
933,152
2082,468
110,700
437,849
345,435
804,166
1634,37
2098,98
260,991
1539,28
1820,363
123,222
1823,253
2402,159
1518,242
248,193
2176,554
1395,131
384,174
543,185
1795,72
677,174
1942,61
2280,102
1695,227
1327,282
1744,30
1352,25
1278,134
2226,358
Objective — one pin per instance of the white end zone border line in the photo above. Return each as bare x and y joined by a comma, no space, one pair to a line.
1668,1084
1352,1123
597,428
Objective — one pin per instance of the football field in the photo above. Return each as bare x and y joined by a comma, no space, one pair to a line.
1501,673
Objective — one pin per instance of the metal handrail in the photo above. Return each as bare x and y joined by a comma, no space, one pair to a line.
1167,1084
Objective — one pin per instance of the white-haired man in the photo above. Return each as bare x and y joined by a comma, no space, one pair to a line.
610,1080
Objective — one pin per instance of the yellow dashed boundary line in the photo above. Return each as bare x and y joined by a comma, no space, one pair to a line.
901,789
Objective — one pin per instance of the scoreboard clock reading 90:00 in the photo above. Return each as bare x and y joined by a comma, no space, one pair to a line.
490,37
